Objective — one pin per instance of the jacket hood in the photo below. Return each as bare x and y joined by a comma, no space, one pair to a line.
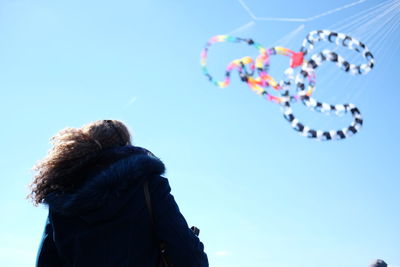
107,185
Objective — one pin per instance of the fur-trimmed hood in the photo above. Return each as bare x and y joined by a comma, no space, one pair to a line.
107,186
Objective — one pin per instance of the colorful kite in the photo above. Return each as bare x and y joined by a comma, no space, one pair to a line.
254,72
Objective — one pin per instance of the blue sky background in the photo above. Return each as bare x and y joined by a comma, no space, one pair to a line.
261,194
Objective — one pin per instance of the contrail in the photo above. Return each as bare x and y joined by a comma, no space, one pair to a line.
242,28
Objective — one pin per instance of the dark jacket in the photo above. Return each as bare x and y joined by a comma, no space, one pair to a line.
105,221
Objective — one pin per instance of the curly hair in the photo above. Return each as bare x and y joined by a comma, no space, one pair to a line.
72,147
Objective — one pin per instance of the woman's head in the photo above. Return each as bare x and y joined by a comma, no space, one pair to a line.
71,148
107,133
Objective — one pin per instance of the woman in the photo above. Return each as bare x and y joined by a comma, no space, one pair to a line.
94,182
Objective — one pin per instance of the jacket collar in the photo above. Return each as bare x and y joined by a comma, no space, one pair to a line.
106,187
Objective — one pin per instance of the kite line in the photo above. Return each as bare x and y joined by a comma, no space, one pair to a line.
254,17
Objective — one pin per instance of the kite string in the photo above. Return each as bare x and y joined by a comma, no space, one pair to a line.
383,15
359,17
374,25
254,17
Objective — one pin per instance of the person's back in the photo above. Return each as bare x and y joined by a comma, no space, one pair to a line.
97,207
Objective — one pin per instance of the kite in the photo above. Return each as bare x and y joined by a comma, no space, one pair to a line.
254,72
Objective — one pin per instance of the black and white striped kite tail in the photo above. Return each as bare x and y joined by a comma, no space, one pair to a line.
339,109
354,127
340,39
308,68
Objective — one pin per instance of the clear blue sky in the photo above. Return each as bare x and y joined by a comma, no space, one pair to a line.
261,194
